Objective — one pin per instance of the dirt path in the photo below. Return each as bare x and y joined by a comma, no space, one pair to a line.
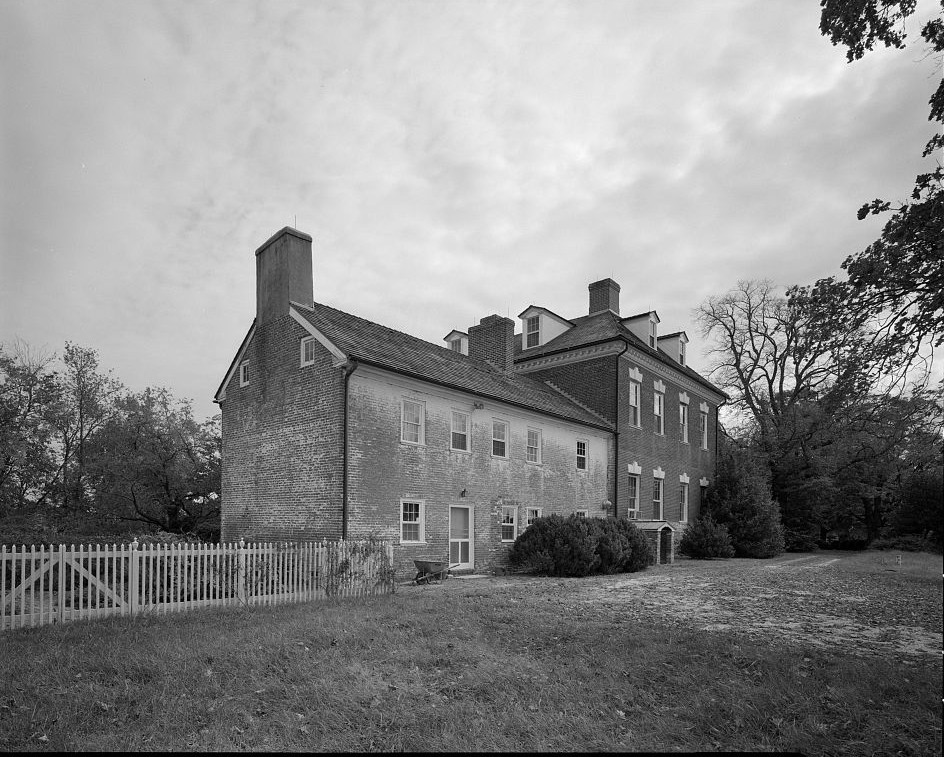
827,600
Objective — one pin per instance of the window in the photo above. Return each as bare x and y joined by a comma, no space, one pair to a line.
531,515
634,403
683,422
509,523
658,410
657,498
456,345
244,373
412,422
460,431
581,513
412,521
499,439
533,325
683,502
307,351
704,429
681,352
633,497
581,455
534,446
652,334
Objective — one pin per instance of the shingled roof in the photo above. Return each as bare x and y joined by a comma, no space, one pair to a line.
603,327
393,350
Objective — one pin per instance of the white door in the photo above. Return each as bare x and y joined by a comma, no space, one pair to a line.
460,537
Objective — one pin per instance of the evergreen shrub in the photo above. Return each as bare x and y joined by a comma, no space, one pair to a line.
705,539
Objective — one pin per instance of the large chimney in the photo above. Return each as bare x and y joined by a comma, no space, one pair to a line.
604,295
493,340
283,274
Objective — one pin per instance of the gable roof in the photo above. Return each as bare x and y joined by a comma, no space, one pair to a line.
383,347
603,327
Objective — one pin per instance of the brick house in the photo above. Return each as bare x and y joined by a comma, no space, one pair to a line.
337,427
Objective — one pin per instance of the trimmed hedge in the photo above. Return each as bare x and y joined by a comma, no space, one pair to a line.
572,546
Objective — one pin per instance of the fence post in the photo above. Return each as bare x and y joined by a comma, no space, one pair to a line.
134,570
241,571
61,609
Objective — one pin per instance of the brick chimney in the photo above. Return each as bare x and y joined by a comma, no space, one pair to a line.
604,295
493,341
283,274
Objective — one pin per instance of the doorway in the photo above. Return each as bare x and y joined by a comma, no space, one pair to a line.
461,555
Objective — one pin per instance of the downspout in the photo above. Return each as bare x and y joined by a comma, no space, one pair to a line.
616,471
349,368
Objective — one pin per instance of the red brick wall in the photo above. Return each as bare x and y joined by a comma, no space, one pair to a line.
592,382
282,442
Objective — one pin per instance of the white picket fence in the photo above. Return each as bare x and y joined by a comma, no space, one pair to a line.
49,584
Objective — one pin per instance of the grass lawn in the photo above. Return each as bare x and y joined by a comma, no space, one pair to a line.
474,664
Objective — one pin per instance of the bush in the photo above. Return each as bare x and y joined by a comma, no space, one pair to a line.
705,539
907,543
796,540
559,546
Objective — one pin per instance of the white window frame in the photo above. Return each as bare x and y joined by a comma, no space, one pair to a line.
509,517
420,521
632,495
582,513
683,422
635,392
653,334
453,432
504,440
681,352
244,374
455,345
531,514
528,331
658,488
683,501
537,448
421,430
585,456
658,412
306,340
704,429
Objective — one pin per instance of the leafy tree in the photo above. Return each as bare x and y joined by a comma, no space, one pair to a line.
152,462
740,498
29,469
899,278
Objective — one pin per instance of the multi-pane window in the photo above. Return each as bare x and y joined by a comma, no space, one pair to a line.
652,334
456,345
531,515
632,496
657,498
681,352
704,430
460,431
683,502
412,525
307,350
534,446
658,411
581,513
509,523
581,455
634,403
533,325
499,439
683,422
244,373
412,421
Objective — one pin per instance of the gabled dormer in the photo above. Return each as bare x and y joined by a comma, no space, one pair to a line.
539,326
457,341
645,326
673,345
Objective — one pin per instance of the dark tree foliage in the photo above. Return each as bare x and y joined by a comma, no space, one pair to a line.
705,539
921,511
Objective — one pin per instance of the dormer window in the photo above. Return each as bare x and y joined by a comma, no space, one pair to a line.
457,341
652,334
455,345
533,337
681,353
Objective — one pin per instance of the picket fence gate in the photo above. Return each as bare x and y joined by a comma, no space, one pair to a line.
48,584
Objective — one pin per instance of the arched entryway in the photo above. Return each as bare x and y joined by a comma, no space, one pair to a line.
666,545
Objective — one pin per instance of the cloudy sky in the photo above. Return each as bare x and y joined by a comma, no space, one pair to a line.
451,159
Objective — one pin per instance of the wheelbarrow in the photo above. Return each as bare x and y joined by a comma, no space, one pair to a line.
428,570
